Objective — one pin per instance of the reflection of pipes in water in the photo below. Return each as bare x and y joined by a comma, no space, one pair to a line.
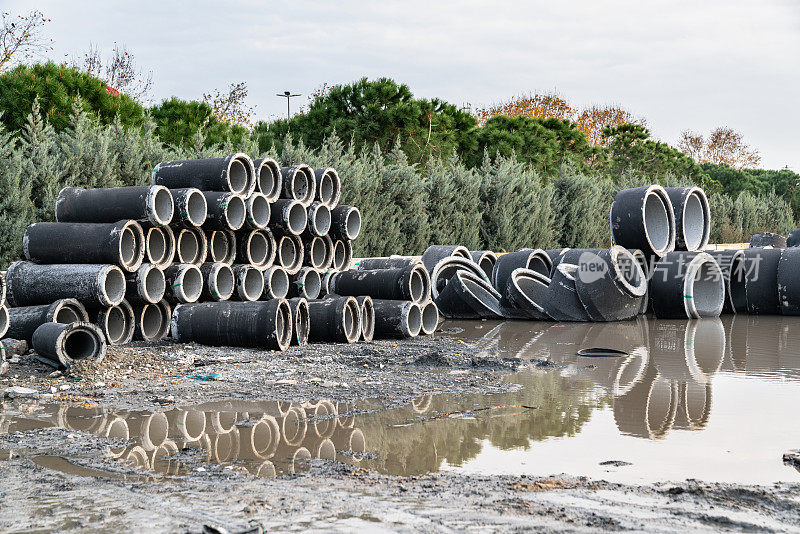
265,469
160,458
151,429
117,428
688,350
694,409
225,446
221,422
421,404
346,419
294,426
349,440
323,418
81,419
187,425
203,443
648,408
136,456
260,440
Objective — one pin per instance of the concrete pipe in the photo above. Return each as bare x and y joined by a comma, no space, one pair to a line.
345,222
184,283
149,203
190,207
202,245
571,255
221,246
258,211
392,262
326,284
447,268
120,243
315,252
467,296
342,254
328,263
249,283
555,256
3,290
526,258
256,247
150,322
610,284
188,246
525,295
159,245
276,283
396,318
411,283
319,219
300,318
307,283
299,184
186,425
643,218
146,285
226,211
692,217
58,344
329,186
335,319
761,280
687,285
233,173
236,324
23,321
116,322
367,318
218,281
644,263
731,262
562,302
435,253
430,318
789,281
793,239
767,239
485,260
94,285
269,180
290,216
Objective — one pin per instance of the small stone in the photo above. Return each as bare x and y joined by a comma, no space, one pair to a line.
53,389
99,384
54,374
64,387
19,392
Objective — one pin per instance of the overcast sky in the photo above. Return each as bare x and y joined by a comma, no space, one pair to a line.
680,65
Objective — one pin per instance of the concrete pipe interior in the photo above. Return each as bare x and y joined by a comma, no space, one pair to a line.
114,285
267,179
80,344
430,318
154,284
417,286
259,210
339,255
218,246
532,288
538,264
151,322
235,212
695,219
656,222
479,292
128,246
628,271
367,320
66,314
163,206
414,320
188,247
326,189
252,284
194,424
116,325
237,176
196,208
225,282
192,284
287,252
318,252
284,324
312,283
736,282
706,288
279,283
322,220
155,430
302,322
156,246
350,321
258,248
297,219
353,224
486,263
300,184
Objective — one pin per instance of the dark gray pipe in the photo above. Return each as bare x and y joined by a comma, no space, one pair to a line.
761,280
94,285
221,246
149,203
226,211
289,216
789,281
319,219
58,344
342,254
184,282
687,285
237,324
525,295
329,186
396,318
306,284
233,173
335,319
467,296
436,253
289,253
159,245
24,320
4,320
120,243
328,264
345,222
202,244
610,284
256,247
258,211
644,218
151,323
191,208
447,268
731,262
249,283
555,257
299,184
188,246
485,260
392,262
692,217
316,252
411,283
367,317
298,307
146,285
563,303
430,318
269,180
276,283
2,289
793,239
526,258
116,322
218,281
767,239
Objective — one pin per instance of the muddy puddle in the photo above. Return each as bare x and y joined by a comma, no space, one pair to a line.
714,399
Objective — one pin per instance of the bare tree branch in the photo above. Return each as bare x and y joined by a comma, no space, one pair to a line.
21,38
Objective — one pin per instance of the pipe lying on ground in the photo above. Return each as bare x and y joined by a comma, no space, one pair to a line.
555,256
319,219
641,259
328,186
643,218
184,282
789,281
159,245
150,203
563,302
392,262
233,173
58,344
761,280
335,319
299,184
526,258
188,247
218,281
411,283
258,211
257,247
316,252
24,320
467,296
94,285
687,285
731,262
237,324
345,222
367,318
793,239
221,247
151,323
120,243
436,253
525,295
692,217
249,283
430,318
767,239
269,180
276,283
116,322
396,318
306,284
226,211
289,254
485,260
298,307
610,284
447,268
289,216
190,207
146,285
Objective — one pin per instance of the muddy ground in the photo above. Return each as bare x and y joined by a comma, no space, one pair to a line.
97,493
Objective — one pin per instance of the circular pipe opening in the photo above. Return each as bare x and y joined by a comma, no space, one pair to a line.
156,246
278,283
430,318
298,218
695,215
628,271
196,208
163,207
656,222
317,252
294,426
258,248
192,284
80,344
531,288
218,246
259,210
225,282
237,176
352,323
339,255
151,322
353,223
325,189
128,246
287,252
538,264
114,286
414,320
66,315
705,287
302,323
416,286
300,184
154,284
235,212
252,284
312,284
284,324
267,181
322,220
487,265
116,325
367,320
188,247
357,443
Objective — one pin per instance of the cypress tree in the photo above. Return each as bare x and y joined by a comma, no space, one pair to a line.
580,208
85,151
41,163
403,193
15,206
453,203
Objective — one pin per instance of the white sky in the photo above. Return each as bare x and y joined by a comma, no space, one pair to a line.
679,64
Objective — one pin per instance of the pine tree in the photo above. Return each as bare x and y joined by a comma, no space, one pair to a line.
15,206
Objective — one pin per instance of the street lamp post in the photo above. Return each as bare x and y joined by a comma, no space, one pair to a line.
288,96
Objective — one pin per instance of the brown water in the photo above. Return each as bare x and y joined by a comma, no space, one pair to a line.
712,399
